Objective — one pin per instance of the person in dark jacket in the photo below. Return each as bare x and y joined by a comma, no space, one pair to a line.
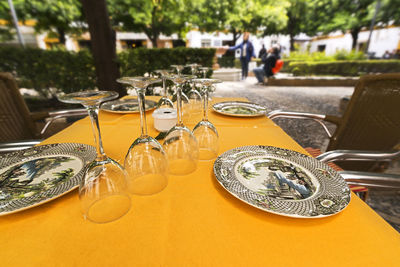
269,61
262,52
246,53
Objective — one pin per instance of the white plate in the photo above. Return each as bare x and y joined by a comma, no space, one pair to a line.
127,106
39,174
282,181
239,109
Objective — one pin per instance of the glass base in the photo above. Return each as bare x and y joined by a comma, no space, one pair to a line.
147,167
147,184
182,166
108,208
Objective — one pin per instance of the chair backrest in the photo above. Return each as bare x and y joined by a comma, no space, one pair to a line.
278,66
372,118
15,120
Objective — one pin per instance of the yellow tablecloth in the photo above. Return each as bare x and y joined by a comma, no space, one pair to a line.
194,221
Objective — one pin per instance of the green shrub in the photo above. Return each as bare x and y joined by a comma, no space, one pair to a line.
139,61
226,61
321,56
70,71
343,68
45,69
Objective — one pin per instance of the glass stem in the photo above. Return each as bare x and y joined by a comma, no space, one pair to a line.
205,105
179,104
142,110
94,119
164,86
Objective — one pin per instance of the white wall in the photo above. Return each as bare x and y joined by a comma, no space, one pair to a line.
381,40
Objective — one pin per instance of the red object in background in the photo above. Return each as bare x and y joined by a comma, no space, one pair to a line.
278,66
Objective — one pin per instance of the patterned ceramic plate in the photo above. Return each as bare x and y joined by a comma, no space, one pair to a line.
127,106
39,174
239,109
282,181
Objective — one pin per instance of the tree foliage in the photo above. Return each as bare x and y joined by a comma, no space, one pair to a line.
58,17
238,16
153,17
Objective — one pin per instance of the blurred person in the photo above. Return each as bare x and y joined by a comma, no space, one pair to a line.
246,53
387,55
262,52
269,61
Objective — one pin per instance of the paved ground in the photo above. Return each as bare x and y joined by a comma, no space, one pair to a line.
324,100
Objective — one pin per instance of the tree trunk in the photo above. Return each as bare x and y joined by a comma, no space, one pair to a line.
236,36
291,36
354,35
61,35
154,41
103,45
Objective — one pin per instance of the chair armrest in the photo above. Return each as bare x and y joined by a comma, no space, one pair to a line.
320,118
372,180
59,114
358,155
18,145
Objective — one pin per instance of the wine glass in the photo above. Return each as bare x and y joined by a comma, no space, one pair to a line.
103,190
180,144
146,161
204,70
179,69
205,132
193,95
164,100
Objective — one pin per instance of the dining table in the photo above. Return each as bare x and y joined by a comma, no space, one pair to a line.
194,221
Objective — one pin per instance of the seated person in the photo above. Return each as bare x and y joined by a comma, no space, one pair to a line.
269,63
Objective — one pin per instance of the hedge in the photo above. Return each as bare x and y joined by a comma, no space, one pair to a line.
74,71
141,60
45,69
343,68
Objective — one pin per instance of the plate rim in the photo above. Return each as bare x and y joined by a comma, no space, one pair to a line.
239,115
270,210
154,103
90,153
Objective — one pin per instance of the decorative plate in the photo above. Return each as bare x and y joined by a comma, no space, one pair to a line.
239,109
127,106
39,174
282,181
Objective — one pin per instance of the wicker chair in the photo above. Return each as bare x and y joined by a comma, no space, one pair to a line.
17,123
370,122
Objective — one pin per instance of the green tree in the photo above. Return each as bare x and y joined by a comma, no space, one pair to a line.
7,30
238,16
153,17
389,12
55,16
298,14
349,15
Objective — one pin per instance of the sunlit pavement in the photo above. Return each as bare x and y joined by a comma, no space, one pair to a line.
323,100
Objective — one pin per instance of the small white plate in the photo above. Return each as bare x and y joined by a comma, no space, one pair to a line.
127,106
239,109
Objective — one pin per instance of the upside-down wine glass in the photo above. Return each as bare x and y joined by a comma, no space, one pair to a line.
204,70
193,95
179,69
146,161
205,132
164,100
180,144
103,190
